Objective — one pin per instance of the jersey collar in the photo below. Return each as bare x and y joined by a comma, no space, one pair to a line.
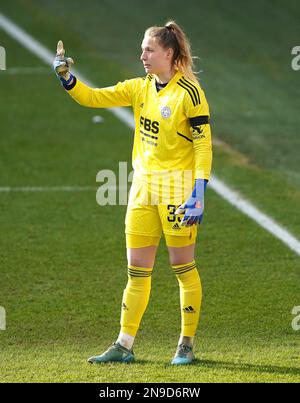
175,78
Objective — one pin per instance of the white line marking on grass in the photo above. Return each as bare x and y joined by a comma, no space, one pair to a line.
44,54
262,219
125,116
27,70
8,189
11,189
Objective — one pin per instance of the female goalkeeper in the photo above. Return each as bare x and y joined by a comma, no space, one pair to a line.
171,157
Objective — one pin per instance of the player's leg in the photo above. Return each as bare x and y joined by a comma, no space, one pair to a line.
183,263
180,255
143,231
143,255
141,251
181,246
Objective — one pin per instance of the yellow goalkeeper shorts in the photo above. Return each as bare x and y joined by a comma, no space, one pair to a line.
144,226
148,215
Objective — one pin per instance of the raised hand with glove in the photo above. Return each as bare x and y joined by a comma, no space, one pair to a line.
62,65
193,208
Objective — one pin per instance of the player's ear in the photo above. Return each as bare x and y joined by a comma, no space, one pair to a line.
170,53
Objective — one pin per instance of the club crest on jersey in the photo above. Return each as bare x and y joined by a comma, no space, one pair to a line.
165,112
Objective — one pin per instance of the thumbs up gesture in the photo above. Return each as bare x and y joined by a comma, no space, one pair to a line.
62,64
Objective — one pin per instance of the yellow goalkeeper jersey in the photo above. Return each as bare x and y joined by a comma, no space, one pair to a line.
163,139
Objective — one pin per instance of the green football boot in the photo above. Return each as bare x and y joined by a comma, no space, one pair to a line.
184,355
115,353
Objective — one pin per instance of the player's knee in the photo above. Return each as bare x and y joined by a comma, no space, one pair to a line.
181,255
187,275
141,250
139,278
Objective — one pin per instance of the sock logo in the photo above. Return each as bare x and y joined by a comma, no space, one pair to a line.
124,307
189,309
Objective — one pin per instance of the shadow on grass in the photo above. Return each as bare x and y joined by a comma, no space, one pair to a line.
230,366
261,368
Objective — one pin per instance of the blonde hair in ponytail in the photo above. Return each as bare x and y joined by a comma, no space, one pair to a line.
172,36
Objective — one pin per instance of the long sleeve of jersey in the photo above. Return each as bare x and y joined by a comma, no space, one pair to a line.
201,134
162,121
117,95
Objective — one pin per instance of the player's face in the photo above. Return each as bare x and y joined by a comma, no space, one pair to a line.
155,58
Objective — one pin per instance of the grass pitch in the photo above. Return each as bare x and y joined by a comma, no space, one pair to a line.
62,257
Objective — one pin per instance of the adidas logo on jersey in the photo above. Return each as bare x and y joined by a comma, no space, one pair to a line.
176,226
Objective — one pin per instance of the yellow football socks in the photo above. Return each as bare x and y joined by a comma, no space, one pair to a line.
190,297
137,292
135,298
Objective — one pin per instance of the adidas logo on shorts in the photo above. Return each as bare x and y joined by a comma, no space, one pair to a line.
176,226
